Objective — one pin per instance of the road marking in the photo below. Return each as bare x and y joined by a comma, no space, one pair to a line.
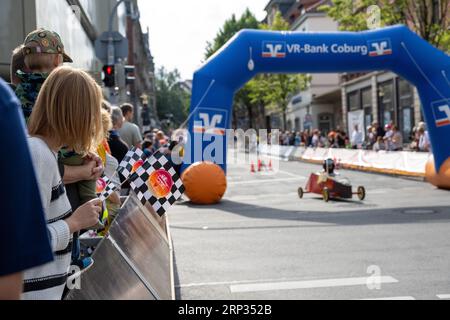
419,211
378,191
265,180
444,296
310,284
225,283
391,298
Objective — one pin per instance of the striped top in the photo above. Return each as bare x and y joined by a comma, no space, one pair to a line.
47,282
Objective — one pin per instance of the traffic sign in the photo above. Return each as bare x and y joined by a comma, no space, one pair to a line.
120,46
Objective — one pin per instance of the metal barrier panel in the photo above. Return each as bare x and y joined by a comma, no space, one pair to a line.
111,278
134,262
146,245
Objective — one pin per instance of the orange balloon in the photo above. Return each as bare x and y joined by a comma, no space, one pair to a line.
441,179
205,183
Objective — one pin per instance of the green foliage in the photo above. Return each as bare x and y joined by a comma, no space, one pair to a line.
420,16
278,24
268,91
229,29
171,99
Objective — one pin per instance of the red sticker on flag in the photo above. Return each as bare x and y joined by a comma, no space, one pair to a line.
160,183
101,185
137,165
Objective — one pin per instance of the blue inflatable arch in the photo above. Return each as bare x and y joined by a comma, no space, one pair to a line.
253,51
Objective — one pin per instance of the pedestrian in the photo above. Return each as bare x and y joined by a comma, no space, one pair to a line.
379,145
332,139
161,140
371,137
340,137
130,132
396,140
43,52
147,147
111,165
24,242
424,144
67,113
17,63
118,147
357,138
315,140
380,132
388,137
298,139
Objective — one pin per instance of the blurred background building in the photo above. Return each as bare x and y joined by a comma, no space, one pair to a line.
79,23
332,99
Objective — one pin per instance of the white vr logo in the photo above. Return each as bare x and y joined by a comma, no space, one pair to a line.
380,48
446,110
443,118
215,121
274,50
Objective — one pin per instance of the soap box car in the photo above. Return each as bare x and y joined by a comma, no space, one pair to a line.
329,185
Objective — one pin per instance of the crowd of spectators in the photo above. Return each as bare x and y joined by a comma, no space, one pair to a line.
375,138
62,138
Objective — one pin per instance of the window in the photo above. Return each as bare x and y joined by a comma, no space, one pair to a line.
406,108
326,122
366,97
387,103
353,101
297,124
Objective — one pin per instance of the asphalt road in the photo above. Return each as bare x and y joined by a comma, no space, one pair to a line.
263,242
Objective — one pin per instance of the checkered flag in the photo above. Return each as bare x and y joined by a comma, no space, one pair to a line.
152,179
105,188
134,158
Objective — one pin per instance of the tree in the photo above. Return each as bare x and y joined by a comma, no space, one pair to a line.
172,101
229,29
273,91
428,18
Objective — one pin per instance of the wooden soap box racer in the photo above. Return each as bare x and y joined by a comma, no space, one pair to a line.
329,186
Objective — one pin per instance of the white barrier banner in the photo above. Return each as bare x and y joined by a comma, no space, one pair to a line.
396,162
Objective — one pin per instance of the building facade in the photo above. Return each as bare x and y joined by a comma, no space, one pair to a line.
79,23
382,97
141,92
319,106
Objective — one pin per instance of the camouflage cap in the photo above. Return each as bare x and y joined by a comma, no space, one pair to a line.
44,41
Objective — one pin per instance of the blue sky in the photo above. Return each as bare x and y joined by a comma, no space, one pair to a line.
179,29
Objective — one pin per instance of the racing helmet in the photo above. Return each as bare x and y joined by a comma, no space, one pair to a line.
329,166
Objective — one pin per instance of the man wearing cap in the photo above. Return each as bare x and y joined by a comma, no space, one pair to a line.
44,52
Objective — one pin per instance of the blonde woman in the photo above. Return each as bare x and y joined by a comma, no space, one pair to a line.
67,113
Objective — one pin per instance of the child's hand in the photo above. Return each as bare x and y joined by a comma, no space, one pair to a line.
85,216
94,167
